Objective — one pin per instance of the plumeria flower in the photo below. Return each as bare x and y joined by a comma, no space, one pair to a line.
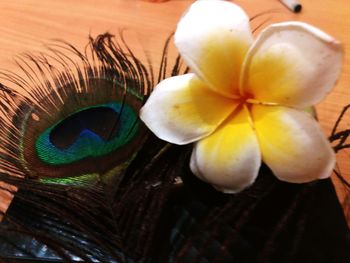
244,102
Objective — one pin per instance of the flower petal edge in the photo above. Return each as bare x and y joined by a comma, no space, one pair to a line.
292,64
213,37
182,109
229,159
292,144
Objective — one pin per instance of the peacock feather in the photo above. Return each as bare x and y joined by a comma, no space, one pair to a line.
73,120
73,144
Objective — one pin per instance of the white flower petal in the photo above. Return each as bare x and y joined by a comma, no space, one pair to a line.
182,109
229,159
292,64
292,144
213,38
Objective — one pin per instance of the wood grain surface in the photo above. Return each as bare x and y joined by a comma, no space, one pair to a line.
29,25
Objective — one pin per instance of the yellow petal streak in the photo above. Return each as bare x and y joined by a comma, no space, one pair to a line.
229,159
292,144
272,76
291,64
219,62
183,109
213,38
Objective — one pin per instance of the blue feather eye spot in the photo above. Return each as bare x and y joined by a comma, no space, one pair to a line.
91,132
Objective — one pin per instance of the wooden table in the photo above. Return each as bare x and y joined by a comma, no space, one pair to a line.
27,25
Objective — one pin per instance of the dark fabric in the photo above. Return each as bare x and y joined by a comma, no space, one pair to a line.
291,223
287,223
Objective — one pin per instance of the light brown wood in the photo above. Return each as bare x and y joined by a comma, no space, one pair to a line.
27,25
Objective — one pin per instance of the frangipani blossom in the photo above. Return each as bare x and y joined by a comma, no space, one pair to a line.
243,103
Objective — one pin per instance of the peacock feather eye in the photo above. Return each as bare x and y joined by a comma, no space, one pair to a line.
74,120
88,135
90,132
